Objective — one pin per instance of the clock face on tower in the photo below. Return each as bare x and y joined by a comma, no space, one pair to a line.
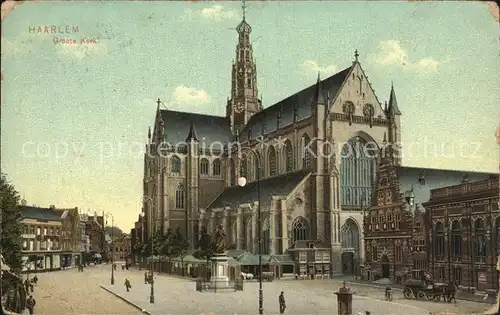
239,107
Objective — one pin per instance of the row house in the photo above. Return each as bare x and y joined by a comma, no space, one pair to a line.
97,247
41,238
70,237
121,248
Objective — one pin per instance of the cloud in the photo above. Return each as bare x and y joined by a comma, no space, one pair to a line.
426,63
391,53
183,95
215,13
312,67
82,50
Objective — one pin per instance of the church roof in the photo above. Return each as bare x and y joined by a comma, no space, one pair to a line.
278,185
209,128
301,103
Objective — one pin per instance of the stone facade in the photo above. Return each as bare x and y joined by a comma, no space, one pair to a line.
464,234
314,155
121,248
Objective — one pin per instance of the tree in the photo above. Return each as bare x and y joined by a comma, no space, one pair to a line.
205,247
113,231
11,227
179,247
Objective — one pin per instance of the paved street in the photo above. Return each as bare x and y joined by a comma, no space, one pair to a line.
178,296
72,292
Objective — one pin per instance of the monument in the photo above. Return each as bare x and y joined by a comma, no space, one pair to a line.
344,300
220,268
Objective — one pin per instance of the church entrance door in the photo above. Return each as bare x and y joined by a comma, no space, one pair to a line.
386,268
348,263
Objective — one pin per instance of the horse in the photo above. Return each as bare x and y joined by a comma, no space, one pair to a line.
246,276
449,293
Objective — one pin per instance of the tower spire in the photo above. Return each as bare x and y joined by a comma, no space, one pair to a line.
243,8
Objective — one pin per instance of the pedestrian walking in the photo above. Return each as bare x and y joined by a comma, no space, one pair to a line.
30,304
27,286
128,286
281,300
146,278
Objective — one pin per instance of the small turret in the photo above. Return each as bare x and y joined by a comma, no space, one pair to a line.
192,133
393,103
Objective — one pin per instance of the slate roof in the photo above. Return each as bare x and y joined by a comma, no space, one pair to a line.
278,185
37,213
209,128
301,102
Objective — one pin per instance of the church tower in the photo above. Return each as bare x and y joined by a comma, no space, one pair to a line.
244,102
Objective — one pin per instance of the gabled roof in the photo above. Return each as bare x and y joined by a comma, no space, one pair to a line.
278,186
37,213
301,103
209,128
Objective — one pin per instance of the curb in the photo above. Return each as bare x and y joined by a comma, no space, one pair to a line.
399,289
125,300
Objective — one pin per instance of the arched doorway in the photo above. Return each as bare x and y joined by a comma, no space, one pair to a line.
386,267
357,172
349,238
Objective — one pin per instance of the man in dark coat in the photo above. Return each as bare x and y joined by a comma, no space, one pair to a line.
127,285
30,305
281,300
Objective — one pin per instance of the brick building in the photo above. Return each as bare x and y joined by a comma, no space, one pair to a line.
70,236
121,247
389,224
96,237
465,234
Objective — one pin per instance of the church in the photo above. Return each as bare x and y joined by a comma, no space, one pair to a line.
309,163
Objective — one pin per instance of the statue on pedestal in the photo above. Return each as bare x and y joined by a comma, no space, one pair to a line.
220,241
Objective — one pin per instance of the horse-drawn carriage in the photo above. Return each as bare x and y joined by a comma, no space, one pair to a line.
428,290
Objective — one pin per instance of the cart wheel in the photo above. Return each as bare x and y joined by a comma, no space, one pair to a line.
421,295
407,293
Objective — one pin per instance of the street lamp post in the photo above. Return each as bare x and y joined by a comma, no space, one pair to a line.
112,247
242,182
152,293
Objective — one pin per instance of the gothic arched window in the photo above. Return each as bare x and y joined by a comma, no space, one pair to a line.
349,236
179,197
456,238
216,167
357,170
288,156
232,173
479,240
176,164
272,161
244,167
306,151
204,166
300,229
440,242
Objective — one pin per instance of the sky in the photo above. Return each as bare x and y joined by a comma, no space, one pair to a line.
75,115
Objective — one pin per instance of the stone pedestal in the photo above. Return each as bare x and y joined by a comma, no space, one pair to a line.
344,300
220,270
